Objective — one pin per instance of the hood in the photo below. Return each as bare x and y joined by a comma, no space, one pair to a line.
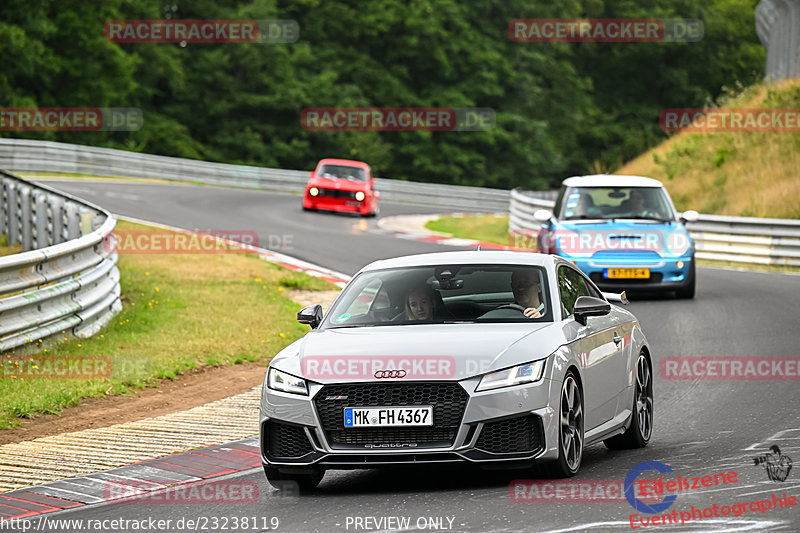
428,352
336,183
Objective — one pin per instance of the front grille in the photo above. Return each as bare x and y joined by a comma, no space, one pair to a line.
285,440
337,193
448,400
520,434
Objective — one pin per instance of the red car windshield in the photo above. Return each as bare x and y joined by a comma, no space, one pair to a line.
343,172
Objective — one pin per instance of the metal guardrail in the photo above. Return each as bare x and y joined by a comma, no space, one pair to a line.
765,241
43,156
65,278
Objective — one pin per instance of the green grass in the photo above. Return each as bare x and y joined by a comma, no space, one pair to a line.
180,312
751,174
486,228
5,249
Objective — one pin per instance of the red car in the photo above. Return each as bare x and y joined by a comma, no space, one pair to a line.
342,185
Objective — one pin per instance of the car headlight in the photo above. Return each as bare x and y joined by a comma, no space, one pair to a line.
313,191
360,196
678,243
516,375
284,382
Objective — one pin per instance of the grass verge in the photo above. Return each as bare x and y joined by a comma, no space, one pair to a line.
180,311
486,228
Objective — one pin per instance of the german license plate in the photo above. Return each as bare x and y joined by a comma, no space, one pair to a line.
627,273
352,204
417,415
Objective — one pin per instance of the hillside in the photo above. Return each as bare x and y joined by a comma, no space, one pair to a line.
743,174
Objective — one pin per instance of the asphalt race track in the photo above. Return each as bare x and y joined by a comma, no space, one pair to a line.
702,427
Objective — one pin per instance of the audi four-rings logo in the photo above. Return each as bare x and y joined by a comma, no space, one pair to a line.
390,374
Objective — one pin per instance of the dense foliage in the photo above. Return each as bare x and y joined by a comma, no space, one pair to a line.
561,108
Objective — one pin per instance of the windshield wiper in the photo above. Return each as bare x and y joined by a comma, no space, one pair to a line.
587,217
354,326
645,218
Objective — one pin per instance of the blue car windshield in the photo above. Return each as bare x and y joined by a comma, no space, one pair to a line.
616,202
443,294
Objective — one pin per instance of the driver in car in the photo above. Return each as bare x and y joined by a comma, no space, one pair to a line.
526,286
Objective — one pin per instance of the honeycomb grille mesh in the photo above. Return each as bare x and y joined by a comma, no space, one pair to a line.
448,400
520,434
287,441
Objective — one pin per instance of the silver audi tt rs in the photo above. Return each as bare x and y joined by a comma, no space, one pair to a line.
501,359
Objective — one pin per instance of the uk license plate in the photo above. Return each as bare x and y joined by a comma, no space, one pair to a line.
417,415
627,273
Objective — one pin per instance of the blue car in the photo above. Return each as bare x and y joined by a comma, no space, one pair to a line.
623,232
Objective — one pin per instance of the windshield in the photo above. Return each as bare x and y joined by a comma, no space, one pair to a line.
344,172
616,202
443,294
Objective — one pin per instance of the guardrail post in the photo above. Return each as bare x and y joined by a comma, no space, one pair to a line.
13,214
40,208
73,216
26,218
57,214
4,185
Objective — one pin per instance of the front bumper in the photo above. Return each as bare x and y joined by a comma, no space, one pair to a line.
343,204
665,275
504,427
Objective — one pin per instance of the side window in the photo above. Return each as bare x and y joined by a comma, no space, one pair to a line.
571,286
593,290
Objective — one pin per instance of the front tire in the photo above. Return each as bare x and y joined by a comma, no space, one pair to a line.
570,431
641,429
292,482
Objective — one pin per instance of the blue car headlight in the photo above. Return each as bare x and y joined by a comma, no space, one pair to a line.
516,375
678,243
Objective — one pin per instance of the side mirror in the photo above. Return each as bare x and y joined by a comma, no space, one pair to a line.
311,174
587,306
311,315
542,215
690,216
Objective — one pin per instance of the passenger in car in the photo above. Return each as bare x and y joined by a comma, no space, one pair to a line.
419,304
526,287
425,303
